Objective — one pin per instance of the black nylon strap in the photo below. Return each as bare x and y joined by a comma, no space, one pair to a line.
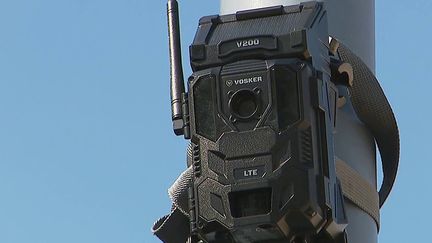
178,192
358,190
175,227
172,228
374,110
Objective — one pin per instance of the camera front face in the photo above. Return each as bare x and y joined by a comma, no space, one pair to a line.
248,122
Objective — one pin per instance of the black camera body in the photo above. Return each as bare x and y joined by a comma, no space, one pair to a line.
260,113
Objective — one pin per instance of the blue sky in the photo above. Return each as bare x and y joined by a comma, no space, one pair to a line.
86,147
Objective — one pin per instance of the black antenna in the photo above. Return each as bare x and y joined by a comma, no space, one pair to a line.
176,68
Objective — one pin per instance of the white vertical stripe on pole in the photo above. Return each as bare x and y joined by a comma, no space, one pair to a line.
353,23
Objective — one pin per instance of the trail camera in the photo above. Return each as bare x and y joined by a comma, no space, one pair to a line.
260,110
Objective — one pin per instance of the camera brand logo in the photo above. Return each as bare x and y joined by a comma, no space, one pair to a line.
255,79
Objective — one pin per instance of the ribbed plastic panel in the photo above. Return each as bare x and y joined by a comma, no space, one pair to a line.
243,67
306,146
275,25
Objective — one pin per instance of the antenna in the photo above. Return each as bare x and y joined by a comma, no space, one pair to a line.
176,68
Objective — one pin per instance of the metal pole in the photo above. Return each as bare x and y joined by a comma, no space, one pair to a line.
353,23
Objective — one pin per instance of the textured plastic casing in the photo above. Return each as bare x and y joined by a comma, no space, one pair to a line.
270,176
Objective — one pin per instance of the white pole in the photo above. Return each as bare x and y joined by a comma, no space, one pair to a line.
353,23
236,5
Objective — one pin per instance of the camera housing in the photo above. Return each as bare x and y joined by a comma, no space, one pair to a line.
260,112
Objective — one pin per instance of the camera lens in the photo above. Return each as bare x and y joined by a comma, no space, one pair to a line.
244,104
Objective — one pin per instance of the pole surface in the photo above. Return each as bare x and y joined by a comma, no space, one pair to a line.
353,23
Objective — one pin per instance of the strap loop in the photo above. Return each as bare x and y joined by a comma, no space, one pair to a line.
374,110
